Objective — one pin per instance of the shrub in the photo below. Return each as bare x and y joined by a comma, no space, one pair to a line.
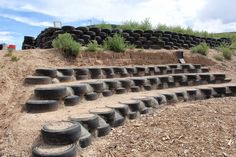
15,58
67,44
202,48
143,25
115,43
93,46
219,57
225,50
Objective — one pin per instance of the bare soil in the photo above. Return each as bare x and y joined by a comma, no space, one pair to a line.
19,130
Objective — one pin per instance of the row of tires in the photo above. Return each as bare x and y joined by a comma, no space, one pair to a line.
141,39
63,138
48,75
48,99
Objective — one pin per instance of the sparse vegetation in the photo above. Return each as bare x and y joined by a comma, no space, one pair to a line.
93,46
226,51
115,43
202,48
14,58
219,57
143,25
67,44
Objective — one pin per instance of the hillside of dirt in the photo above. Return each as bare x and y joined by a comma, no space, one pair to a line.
14,93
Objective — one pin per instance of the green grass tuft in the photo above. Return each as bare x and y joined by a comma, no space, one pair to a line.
202,48
115,43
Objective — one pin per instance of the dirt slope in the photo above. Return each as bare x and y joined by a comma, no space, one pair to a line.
14,93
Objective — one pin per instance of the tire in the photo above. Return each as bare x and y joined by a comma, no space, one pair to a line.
83,29
85,138
71,100
135,89
134,105
139,81
207,92
107,93
69,152
91,96
103,129
82,77
95,71
97,86
133,115
147,87
68,28
38,80
112,84
126,83
66,71
41,105
119,120
89,121
107,114
46,72
120,90
53,93
67,135
121,108
80,89
65,78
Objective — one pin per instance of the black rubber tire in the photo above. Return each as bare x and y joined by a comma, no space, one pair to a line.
53,93
103,131
41,105
133,115
63,136
82,77
97,86
89,121
207,92
85,138
121,91
81,71
68,28
134,105
126,83
46,72
220,91
107,114
119,120
139,81
107,93
147,87
80,89
135,89
71,100
112,84
91,96
95,71
70,152
38,80
65,78
121,108
66,71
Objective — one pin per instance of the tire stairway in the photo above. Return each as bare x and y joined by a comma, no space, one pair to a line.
63,138
50,75
153,39
82,128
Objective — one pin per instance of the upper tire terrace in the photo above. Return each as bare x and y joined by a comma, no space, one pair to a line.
153,39
55,75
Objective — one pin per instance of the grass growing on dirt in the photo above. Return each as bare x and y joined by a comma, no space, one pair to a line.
67,44
226,51
219,57
93,46
115,43
202,48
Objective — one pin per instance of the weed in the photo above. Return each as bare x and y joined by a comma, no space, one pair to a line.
67,44
202,48
115,43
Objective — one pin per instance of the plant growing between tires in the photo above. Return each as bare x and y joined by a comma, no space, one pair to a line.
67,44
202,48
115,43
93,46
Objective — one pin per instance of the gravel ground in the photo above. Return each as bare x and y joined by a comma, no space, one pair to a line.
201,128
